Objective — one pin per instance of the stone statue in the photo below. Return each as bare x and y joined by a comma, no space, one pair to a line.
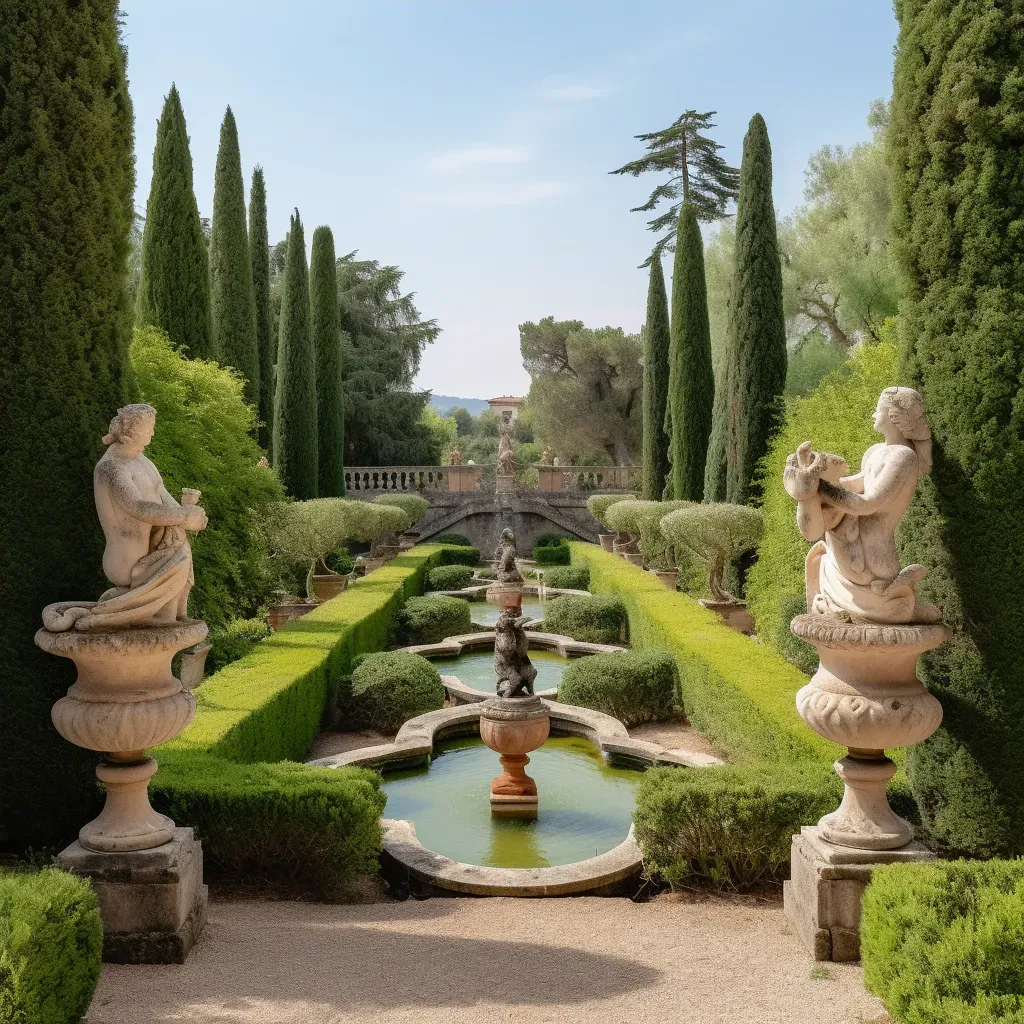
512,665
505,556
506,453
455,458
147,556
854,573
546,459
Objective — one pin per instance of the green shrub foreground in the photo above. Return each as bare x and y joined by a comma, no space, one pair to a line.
633,686
741,696
454,539
390,687
593,620
449,577
428,620
460,555
51,943
554,554
221,774
943,943
567,577
234,640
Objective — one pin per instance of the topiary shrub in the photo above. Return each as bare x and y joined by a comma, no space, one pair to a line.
642,519
51,943
634,686
594,620
428,620
449,577
944,942
728,826
411,504
391,687
452,538
598,505
567,577
556,555
552,540
234,640
459,556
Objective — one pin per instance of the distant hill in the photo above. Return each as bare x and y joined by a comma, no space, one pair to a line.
442,403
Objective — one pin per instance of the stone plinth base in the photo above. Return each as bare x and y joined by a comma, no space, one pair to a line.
823,896
153,902
504,484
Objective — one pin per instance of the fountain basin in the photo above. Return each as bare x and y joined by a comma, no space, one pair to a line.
487,616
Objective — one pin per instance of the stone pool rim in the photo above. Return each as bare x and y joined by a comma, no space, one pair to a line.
477,593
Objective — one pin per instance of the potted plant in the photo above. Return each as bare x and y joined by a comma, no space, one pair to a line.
414,506
642,519
715,534
598,505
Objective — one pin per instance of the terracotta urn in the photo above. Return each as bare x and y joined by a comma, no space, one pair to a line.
606,540
634,558
329,585
513,727
866,696
668,577
733,614
192,666
280,615
506,595
623,542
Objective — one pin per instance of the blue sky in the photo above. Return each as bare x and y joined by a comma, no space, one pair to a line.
468,142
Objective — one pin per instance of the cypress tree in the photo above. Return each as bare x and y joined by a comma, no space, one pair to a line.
295,412
717,466
66,181
231,292
656,350
691,383
259,252
756,372
957,152
174,288
325,326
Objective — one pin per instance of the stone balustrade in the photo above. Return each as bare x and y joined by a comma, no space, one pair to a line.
472,478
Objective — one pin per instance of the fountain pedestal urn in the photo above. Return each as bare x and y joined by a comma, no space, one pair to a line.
513,727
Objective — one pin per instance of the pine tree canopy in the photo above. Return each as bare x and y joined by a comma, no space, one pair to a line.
697,175
326,331
231,291
174,286
266,341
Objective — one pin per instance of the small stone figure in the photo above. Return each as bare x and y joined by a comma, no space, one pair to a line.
455,458
512,665
505,556
546,459
506,451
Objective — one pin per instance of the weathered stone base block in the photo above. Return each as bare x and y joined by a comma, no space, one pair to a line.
153,902
823,896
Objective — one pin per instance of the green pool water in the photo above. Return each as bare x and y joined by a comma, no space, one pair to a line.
585,806
476,669
487,614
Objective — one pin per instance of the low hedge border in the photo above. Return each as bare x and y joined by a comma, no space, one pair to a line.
943,943
51,944
741,696
221,774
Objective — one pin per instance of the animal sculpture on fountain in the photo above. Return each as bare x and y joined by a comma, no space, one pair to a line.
512,664
505,556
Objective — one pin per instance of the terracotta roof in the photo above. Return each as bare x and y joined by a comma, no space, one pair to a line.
506,399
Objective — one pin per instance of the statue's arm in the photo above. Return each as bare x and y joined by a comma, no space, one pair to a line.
853,483
126,494
879,493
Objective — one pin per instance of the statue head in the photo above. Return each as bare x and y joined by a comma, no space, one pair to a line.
133,424
507,536
904,409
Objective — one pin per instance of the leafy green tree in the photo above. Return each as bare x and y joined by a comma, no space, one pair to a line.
698,175
66,182
259,253
657,342
174,286
586,388
295,426
691,382
231,289
383,337
463,421
756,374
326,330
957,149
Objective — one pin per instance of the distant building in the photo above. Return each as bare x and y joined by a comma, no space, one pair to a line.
507,405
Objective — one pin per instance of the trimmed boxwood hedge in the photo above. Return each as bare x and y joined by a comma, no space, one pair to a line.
455,539
633,686
943,943
51,944
594,620
449,577
555,554
390,687
741,696
460,556
567,577
234,640
428,620
551,540
220,775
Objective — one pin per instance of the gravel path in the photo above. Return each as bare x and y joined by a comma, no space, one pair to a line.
606,961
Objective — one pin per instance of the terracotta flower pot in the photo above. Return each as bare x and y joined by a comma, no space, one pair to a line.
280,614
607,540
634,558
192,666
331,585
733,613
669,577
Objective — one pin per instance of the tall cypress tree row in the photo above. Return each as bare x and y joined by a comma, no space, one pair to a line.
756,375
259,253
231,292
716,470
295,413
691,384
326,331
656,351
174,289
66,181
957,152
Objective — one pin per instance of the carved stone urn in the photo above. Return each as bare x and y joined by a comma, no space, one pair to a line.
513,727
124,700
866,696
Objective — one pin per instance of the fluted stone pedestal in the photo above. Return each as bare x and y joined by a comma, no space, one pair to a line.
824,894
152,902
